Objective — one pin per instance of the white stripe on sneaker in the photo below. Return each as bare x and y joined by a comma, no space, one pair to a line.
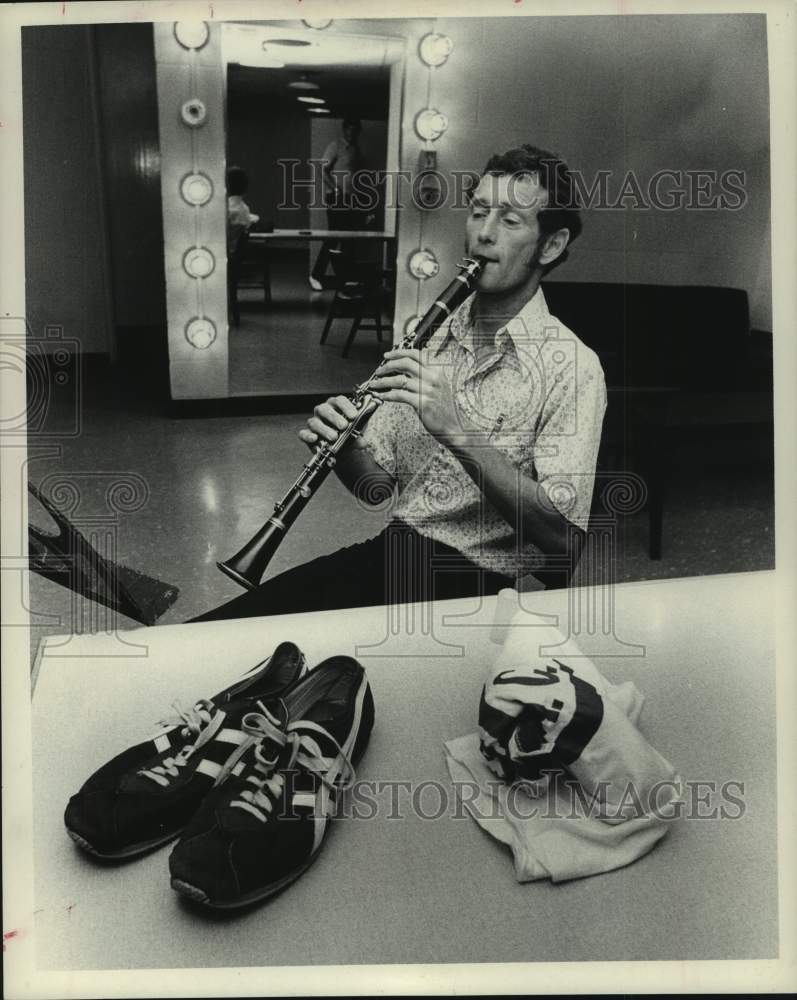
208,767
235,736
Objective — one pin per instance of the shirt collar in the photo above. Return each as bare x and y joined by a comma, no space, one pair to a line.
531,323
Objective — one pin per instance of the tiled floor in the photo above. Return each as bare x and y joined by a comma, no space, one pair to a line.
276,350
207,484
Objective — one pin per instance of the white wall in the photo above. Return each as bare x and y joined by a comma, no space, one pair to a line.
616,93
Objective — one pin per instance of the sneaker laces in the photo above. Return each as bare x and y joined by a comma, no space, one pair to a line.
199,721
304,752
258,726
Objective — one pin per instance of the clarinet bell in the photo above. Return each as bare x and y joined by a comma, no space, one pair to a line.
248,565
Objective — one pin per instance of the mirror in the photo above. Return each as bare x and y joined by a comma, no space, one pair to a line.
312,129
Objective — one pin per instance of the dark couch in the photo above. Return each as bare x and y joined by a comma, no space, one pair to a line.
678,360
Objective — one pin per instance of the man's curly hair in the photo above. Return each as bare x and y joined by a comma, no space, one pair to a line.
563,208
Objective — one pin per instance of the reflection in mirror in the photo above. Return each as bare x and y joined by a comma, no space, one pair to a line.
311,132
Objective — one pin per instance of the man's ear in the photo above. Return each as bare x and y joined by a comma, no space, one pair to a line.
554,246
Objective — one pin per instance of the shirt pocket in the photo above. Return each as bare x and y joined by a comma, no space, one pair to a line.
509,428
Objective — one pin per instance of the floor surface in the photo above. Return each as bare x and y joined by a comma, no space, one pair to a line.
276,349
198,488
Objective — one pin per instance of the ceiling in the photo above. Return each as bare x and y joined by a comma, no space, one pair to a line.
361,91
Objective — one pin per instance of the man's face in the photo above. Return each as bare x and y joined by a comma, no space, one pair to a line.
350,133
502,228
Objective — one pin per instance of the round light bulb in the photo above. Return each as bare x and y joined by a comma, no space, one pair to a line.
430,124
411,325
199,262
194,112
196,189
434,49
192,34
423,264
319,23
200,333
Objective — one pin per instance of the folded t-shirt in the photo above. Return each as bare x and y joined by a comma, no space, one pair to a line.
559,770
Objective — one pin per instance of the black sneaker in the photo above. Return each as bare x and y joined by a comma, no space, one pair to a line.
265,825
146,794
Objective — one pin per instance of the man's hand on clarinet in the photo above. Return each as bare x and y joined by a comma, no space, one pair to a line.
328,420
407,377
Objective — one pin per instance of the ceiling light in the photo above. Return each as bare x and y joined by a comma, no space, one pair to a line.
319,23
291,42
303,84
319,111
311,100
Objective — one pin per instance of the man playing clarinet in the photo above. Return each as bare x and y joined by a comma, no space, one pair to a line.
486,439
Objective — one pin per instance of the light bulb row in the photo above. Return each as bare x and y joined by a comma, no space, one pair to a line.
430,124
196,189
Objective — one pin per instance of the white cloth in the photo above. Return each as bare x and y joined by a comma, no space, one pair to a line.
239,219
558,770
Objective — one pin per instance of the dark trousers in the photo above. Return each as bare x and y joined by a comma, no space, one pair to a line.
338,218
397,566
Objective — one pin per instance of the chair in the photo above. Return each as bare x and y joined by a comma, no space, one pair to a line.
245,250
360,294
235,260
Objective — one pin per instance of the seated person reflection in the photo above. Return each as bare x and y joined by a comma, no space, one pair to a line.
239,216
487,439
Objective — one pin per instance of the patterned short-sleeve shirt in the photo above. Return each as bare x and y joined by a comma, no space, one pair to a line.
539,398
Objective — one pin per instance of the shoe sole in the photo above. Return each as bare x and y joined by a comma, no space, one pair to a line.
129,852
197,895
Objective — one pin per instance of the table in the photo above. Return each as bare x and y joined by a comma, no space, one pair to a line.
266,240
308,235
416,890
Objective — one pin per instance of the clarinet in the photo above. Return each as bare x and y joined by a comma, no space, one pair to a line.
248,565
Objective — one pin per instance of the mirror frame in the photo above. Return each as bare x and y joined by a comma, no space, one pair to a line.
196,307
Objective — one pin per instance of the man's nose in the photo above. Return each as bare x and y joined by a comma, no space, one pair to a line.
486,232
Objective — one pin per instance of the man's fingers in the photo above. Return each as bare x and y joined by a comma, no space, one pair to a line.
322,429
410,352
330,415
345,405
400,381
308,436
407,366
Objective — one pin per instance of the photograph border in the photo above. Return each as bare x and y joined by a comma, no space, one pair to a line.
21,977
